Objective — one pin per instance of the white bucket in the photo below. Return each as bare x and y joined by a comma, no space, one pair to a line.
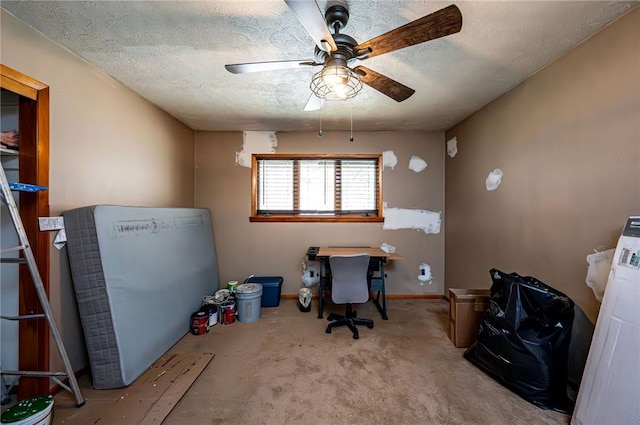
212,309
32,411
249,301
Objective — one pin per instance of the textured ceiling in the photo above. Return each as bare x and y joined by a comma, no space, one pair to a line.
173,53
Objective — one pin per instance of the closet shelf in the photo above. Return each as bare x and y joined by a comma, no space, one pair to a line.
7,151
24,187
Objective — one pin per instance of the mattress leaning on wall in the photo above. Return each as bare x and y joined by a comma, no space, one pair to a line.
138,274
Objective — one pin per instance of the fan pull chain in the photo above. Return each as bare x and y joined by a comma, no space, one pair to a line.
320,132
351,109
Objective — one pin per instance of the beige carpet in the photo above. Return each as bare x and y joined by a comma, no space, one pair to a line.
284,369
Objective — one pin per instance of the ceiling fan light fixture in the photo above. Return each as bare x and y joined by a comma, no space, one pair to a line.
335,75
338,51
336,82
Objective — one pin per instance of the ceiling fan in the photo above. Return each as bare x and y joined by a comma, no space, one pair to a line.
337,52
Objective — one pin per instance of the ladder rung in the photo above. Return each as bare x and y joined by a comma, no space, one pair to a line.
13,260
13,249
32,373
24,317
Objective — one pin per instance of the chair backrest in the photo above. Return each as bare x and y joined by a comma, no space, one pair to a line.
349,278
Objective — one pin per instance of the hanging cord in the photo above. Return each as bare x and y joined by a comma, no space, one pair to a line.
320,113
221,296
351,109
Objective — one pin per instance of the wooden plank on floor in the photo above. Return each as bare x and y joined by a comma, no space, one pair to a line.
174,393
149,399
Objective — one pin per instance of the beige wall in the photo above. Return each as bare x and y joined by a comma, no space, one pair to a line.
245,248
568,142
108,146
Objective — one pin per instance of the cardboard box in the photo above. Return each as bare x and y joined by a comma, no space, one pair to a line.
466,307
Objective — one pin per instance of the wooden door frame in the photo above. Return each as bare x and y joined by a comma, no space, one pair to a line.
33,157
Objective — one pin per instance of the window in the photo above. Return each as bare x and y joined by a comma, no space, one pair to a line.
316,187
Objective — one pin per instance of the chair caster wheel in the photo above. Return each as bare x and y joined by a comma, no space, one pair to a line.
370,326
328,330
356,336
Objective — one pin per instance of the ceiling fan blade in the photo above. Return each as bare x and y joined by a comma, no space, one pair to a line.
243,68
314,103
313,21
438,24
384,84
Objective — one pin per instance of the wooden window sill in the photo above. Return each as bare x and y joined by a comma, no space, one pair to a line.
315,219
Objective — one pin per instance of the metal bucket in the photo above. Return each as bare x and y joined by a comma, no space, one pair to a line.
199,322
227,312
212,311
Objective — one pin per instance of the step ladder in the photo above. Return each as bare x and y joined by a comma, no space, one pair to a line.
29,259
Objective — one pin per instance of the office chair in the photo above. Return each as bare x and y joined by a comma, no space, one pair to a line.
349,286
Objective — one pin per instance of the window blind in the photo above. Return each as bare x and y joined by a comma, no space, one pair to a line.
276,185
317,186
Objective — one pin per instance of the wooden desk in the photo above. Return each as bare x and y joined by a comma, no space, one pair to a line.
376,254
327,251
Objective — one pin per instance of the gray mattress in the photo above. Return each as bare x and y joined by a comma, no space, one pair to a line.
138,275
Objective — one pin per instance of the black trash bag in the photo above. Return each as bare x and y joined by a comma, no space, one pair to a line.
523,340
581,336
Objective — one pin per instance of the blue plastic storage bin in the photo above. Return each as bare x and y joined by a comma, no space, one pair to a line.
271,287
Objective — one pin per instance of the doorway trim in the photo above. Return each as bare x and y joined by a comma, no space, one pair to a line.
33,157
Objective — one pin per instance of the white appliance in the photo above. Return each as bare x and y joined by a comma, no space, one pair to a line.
610,388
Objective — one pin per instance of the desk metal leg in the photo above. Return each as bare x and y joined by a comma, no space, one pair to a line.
382,309
320,293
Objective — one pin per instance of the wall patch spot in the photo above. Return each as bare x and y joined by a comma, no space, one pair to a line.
389,159
452,147
255,142
402,218
425,274
417,164
493,179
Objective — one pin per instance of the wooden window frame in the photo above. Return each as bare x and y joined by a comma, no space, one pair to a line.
312,218
33,159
